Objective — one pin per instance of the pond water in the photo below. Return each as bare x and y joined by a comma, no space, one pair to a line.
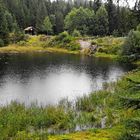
48,78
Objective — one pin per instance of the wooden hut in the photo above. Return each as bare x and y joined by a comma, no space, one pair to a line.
30,30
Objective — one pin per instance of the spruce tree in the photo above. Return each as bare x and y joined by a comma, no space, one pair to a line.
3,25
102,23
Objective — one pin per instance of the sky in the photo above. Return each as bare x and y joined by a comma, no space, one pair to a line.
122,2
131,3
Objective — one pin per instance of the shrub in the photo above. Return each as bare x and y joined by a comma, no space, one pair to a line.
73,46
16,37
64,40
61,36
131,47
115,33
1,43
22,43
138,28
76,33
43,38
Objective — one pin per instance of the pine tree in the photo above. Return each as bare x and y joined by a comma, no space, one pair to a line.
97,4
3,25
47,25
112,16
102,24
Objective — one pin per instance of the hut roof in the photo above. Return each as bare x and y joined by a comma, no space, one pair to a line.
29,28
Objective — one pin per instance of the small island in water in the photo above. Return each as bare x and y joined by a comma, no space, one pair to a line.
69,70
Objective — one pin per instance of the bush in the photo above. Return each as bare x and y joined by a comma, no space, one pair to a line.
62,36
138,28
131,47
43,38
1,43
16,37
22,43
76,33
64,40
73,46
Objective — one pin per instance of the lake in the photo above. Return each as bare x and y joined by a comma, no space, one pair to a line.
48,78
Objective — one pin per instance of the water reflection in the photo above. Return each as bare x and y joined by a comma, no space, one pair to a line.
47,78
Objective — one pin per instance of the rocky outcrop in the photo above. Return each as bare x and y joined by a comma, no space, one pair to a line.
87,47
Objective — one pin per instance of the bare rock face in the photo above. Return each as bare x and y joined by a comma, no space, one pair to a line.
84,44
87,47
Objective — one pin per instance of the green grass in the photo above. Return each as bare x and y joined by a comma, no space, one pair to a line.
36,44
104,55
108,46
93,134
30,49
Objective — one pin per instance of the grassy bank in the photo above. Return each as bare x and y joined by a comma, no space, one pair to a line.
37,44
93,134
100,115
107,46
104,55
13,49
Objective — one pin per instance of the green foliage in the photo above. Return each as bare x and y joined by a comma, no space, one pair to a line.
79,19
32,13
47,26
131,47
108,45
64,40
16,37
31,136
3,25
76,33
129,92
127,23
17,121
138,28
1,43
102,24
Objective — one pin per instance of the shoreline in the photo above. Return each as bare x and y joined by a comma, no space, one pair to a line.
13,49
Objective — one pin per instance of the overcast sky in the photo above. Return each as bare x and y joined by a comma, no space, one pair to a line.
123,2
131,3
